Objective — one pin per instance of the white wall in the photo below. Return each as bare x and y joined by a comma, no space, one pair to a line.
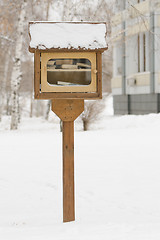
117,59
132,53
131,56
157,52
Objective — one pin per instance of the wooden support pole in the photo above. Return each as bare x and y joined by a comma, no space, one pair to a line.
68,172
68,110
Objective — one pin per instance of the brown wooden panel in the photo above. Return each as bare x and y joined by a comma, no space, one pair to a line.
68,109
36,74
99,74
68,96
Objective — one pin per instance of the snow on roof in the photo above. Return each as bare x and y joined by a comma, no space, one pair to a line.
67,35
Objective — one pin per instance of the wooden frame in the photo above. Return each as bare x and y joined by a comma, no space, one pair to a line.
67,95
45,87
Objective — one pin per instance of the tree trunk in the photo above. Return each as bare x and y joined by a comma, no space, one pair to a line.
16,72
61,125
8,110
85,125
31,105
48,109
1,105
49,102
4,82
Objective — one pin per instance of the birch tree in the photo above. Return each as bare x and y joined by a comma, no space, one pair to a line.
16,72
48,3
6,30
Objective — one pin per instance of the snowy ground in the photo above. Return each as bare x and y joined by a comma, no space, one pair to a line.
117,170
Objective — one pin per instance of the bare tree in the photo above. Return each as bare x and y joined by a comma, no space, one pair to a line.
92,112
48,4
16,72
16,63
6,41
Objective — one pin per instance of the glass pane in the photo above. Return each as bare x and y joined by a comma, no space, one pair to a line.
68,72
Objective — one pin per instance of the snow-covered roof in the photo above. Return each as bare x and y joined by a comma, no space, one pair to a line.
67,35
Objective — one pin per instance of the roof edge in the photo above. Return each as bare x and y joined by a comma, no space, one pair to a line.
33,50
76,22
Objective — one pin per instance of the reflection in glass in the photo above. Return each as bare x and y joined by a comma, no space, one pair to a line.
67,72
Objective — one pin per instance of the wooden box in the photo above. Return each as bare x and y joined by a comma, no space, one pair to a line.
67,72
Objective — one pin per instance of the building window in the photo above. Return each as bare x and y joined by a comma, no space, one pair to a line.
139,62
142,52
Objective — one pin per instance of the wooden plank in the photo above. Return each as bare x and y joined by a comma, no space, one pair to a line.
36,74
68,109
52,95
99,75
68,70
68,172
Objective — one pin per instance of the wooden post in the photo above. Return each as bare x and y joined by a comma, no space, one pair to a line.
68,172
68,111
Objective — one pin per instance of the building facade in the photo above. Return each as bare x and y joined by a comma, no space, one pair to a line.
136,57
